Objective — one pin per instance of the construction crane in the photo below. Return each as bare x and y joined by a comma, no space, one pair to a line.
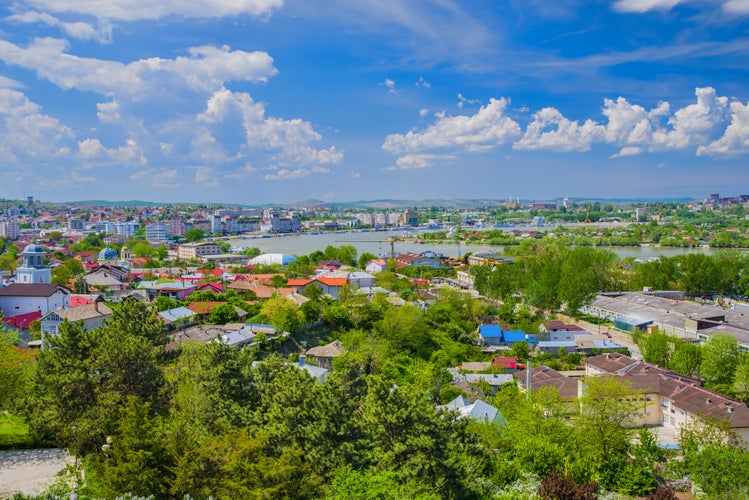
391,240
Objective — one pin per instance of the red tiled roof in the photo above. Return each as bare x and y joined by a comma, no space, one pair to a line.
22,321
506,362
216,287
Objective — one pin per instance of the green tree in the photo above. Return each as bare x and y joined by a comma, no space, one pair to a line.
404,434
720,358
283,313
8,262
83,378
239,465
609,408
741,380
16,370
656,348
686,358
407,330
133,459
194,234
62,274
142,249
223,314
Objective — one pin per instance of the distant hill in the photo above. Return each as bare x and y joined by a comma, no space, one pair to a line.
385,204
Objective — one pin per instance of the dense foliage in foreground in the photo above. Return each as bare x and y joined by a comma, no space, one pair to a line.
207,421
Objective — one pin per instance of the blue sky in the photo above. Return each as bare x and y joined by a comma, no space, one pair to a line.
262,101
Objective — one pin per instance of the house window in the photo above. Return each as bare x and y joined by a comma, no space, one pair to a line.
673,421
664,402
665,418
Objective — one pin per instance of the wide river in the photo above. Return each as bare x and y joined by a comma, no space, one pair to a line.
376,242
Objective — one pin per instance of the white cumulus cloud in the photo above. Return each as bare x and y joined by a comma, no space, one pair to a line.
551,131
129,154
206,68
480,132
287,143
79,30
28,134
735,140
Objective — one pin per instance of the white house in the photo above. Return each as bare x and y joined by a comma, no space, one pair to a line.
376,266
91,315
19,298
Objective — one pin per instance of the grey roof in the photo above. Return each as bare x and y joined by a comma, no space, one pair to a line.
82,312
176,314
31,290
319,373
493,379
479,410
556,343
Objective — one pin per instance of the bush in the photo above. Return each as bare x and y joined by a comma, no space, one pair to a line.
563,487
662,493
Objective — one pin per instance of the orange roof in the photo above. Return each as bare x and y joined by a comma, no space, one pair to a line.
332,281
299,282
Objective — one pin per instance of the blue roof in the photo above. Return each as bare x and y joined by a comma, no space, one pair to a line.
108,253
490,331
514,336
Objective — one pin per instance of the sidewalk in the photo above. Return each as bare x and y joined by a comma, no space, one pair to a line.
30,471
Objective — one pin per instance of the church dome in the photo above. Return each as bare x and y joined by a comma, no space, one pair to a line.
33,248
108,253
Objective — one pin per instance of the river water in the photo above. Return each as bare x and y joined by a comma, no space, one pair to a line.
376,242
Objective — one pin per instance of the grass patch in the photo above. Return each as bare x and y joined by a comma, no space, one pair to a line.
14,432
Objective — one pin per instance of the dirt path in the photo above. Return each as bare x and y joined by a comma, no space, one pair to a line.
29,471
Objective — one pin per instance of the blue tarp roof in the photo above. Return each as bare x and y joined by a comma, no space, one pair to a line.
490,331
514,336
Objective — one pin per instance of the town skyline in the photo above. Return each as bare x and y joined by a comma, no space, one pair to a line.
278,101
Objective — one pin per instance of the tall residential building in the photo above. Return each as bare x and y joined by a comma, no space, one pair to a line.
409,218
176,226
157,231
9,228
76,224
126,228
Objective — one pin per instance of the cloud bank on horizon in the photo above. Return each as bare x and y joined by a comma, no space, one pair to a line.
255,101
